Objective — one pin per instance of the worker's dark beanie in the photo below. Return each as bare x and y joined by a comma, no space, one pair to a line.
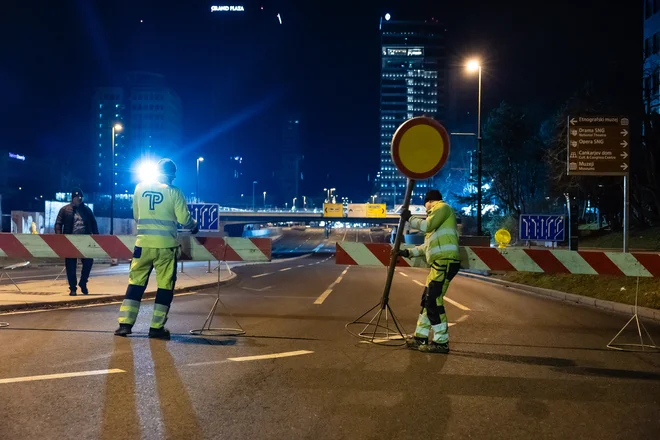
433,196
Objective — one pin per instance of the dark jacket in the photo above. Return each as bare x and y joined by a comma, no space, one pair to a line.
64,222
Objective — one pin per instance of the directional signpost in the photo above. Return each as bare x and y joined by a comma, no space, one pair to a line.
333,210
542,227
206,215
598,146
376,210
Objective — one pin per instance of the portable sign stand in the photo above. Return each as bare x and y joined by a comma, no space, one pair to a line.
420,148
640,325
207,330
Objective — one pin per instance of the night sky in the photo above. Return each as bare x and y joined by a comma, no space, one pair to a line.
322,63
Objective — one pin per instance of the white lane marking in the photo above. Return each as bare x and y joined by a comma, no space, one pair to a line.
449,300
262,275
302,265
462,318
270,356
457,304
328,291
404,274
285,269
61,375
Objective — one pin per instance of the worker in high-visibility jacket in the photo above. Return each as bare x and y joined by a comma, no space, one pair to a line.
440,249
157,208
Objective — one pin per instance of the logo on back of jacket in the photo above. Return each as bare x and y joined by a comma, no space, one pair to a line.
155,198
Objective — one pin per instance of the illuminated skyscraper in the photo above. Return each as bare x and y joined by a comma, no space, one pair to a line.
413,83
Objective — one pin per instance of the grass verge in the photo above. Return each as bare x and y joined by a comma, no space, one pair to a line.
595,286
647,239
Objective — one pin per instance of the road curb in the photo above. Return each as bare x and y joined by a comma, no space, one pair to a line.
602,304
45,305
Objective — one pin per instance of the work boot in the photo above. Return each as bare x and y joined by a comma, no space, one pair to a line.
72,292
83,289
434,347
159,333
414,342
124,330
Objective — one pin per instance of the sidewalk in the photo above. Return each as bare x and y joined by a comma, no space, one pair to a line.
105,285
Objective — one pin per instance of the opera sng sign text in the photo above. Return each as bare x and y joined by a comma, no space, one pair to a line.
227,9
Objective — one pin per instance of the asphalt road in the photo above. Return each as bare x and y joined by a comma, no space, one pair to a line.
521,367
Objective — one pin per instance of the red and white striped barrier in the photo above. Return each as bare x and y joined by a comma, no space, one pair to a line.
121,247
634,264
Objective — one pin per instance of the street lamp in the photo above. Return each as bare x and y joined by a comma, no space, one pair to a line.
475,66
373,199
293,205
264,199
199,159
115,128
304,202
253,185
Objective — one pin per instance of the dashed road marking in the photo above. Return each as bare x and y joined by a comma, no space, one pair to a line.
449,300
404,274
61,375
270,356
262,275
457,304
285,269
328,291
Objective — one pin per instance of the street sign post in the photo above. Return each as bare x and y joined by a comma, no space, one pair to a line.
598,146
420,148
206,215
333,210
542,227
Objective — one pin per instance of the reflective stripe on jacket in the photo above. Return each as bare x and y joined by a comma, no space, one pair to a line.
441,235
158,208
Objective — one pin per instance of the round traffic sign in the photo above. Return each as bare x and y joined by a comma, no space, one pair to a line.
420,147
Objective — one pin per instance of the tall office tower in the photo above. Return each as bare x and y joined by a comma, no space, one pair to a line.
413,83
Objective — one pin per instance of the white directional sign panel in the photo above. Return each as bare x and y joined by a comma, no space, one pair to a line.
598,146
357,210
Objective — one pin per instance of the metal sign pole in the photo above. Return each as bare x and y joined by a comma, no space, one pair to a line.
397,244
626,212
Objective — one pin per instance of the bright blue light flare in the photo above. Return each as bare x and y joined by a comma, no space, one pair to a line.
147,171
388,16
279,17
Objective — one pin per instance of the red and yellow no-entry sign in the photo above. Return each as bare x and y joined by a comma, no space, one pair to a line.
420,147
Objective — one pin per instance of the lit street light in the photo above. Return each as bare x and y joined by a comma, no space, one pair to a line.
199,159
293,205
253,185
264,199
373,199
304,202
115,128
475,66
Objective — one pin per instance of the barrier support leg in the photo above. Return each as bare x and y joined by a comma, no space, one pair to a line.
207,330
5,274
642,346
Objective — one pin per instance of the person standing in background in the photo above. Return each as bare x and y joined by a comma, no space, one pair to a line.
76,218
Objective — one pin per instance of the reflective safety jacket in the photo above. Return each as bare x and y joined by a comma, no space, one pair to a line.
157,208
441,235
